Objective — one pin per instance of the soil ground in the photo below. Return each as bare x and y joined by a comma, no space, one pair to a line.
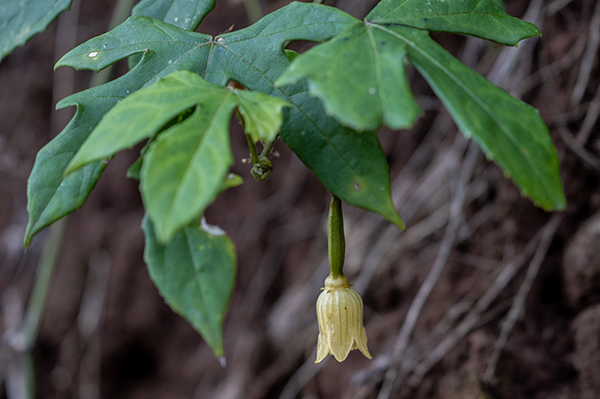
515,313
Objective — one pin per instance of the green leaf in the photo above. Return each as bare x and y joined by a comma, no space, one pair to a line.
184,168
134,169
231,180
354,164
310,133
359,75
51,194
144,113
348,163
257,109
508,130
290,54
194,273
185,14
20,20
165,47
480,18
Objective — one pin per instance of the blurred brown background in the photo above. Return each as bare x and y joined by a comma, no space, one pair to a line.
515,312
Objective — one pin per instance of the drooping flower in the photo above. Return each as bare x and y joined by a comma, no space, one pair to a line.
340,316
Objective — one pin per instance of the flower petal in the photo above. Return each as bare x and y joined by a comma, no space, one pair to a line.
340,314
322,351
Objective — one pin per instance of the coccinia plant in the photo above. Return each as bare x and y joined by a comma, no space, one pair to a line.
325,104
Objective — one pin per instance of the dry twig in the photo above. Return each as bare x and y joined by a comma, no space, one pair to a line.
519,302
434,273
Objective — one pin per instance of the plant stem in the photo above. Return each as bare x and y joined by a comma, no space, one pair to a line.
269,146
21,371
253,152
336,242
42,283
253,10
121,12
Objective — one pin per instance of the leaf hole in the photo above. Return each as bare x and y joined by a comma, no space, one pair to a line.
356,186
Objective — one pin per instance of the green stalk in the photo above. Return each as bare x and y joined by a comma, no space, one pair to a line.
336,242
269,146
121,12
253,152
43,276
253,10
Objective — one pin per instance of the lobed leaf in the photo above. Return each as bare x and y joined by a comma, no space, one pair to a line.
262,114
184,168
195,274
509,131
321,143
480,18
51,193
144,113
358,174
359,75
20,20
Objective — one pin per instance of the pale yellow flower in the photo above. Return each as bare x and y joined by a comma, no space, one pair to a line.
340,316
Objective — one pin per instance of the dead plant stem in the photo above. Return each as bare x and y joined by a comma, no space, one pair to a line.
519,302
436,270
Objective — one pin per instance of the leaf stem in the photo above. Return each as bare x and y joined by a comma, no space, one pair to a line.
336,242
269,146
252,146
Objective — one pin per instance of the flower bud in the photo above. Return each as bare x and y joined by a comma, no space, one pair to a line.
340,316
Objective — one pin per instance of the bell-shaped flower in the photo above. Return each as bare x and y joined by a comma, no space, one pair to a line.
340,316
